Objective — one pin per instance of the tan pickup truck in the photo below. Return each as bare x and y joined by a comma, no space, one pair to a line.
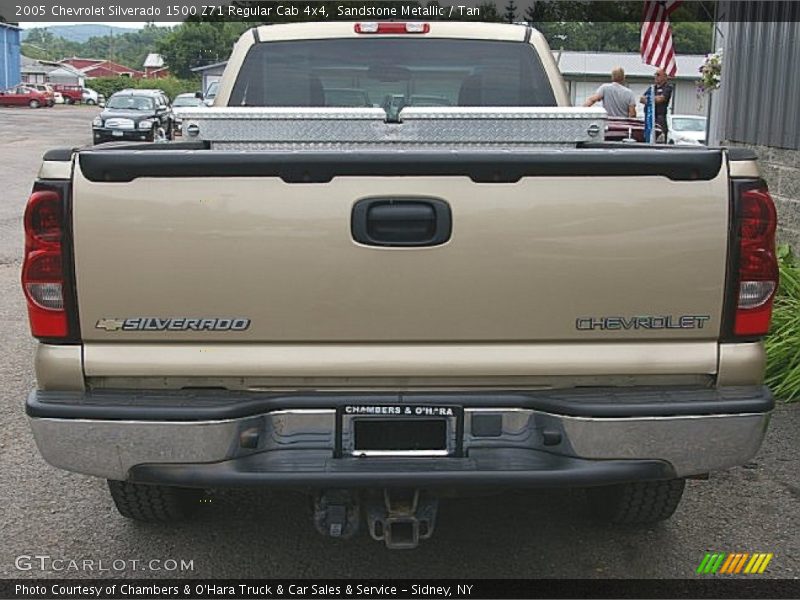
390,262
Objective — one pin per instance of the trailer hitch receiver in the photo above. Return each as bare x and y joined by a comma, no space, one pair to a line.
401,518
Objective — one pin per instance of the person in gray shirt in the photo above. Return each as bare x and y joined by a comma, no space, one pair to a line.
618,100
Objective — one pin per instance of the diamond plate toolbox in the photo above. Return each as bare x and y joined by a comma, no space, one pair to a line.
279,127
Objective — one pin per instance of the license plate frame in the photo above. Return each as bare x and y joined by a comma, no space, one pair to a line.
117,133
352,420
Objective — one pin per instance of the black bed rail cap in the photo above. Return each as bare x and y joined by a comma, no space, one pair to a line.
59,154
737,153
484,166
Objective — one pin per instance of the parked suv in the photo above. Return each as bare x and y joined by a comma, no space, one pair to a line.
143,115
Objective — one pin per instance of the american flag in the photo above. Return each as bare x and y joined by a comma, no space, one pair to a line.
656,47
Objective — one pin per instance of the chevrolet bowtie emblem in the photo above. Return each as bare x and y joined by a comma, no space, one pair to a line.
110,324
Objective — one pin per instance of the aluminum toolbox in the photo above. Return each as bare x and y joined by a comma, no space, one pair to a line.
240,128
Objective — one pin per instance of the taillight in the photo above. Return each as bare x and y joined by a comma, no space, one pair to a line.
756,221
43,278
392,27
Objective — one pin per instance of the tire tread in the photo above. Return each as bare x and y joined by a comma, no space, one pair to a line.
153,503
638,502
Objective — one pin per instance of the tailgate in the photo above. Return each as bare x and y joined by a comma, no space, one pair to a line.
631,251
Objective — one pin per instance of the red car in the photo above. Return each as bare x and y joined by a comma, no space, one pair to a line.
73,94
22,96
43,88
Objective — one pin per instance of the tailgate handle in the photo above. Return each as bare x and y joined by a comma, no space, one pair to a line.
409,222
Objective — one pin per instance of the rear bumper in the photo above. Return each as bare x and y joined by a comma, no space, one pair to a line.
548,439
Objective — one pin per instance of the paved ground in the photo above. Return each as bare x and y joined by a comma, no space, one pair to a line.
244,534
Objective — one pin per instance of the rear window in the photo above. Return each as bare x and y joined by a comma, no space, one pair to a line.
391,73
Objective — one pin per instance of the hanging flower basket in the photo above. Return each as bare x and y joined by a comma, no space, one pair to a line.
710,73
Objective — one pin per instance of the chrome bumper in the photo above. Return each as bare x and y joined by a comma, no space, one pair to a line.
689,444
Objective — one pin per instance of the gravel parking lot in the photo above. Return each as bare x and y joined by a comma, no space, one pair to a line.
43,511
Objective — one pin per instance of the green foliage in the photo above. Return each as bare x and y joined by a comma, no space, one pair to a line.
44,45
600,12
129,49
615,26
196,43
783,343
489,12
510,12
693,37
616,36
171,85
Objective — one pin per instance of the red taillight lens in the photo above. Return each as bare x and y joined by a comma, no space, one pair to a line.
758,264
44,218
43,269
392,27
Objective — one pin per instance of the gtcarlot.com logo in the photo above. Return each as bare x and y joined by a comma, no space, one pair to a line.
44,562
734,563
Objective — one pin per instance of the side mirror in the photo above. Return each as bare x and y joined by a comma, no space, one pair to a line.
198,95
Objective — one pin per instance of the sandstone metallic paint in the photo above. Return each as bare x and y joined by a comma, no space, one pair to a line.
52,169
175,366
398,360
59,367
741,364
524,261
744,169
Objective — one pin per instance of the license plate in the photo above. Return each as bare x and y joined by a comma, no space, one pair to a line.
117,133
400,430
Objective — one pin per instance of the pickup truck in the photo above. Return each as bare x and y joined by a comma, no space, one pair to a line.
378,305
73,94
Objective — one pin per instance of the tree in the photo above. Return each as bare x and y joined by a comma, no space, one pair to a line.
510,14
196,43
693,37
489,12
129,49
43,45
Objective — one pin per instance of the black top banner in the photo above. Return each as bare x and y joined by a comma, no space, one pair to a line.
96,11
351,589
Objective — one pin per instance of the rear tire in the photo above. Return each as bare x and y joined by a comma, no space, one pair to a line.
636,503
89,102
154,503
34,104
68,100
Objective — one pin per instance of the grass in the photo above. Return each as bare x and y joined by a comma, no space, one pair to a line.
783,342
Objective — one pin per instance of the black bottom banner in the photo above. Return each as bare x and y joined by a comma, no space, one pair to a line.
346,589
